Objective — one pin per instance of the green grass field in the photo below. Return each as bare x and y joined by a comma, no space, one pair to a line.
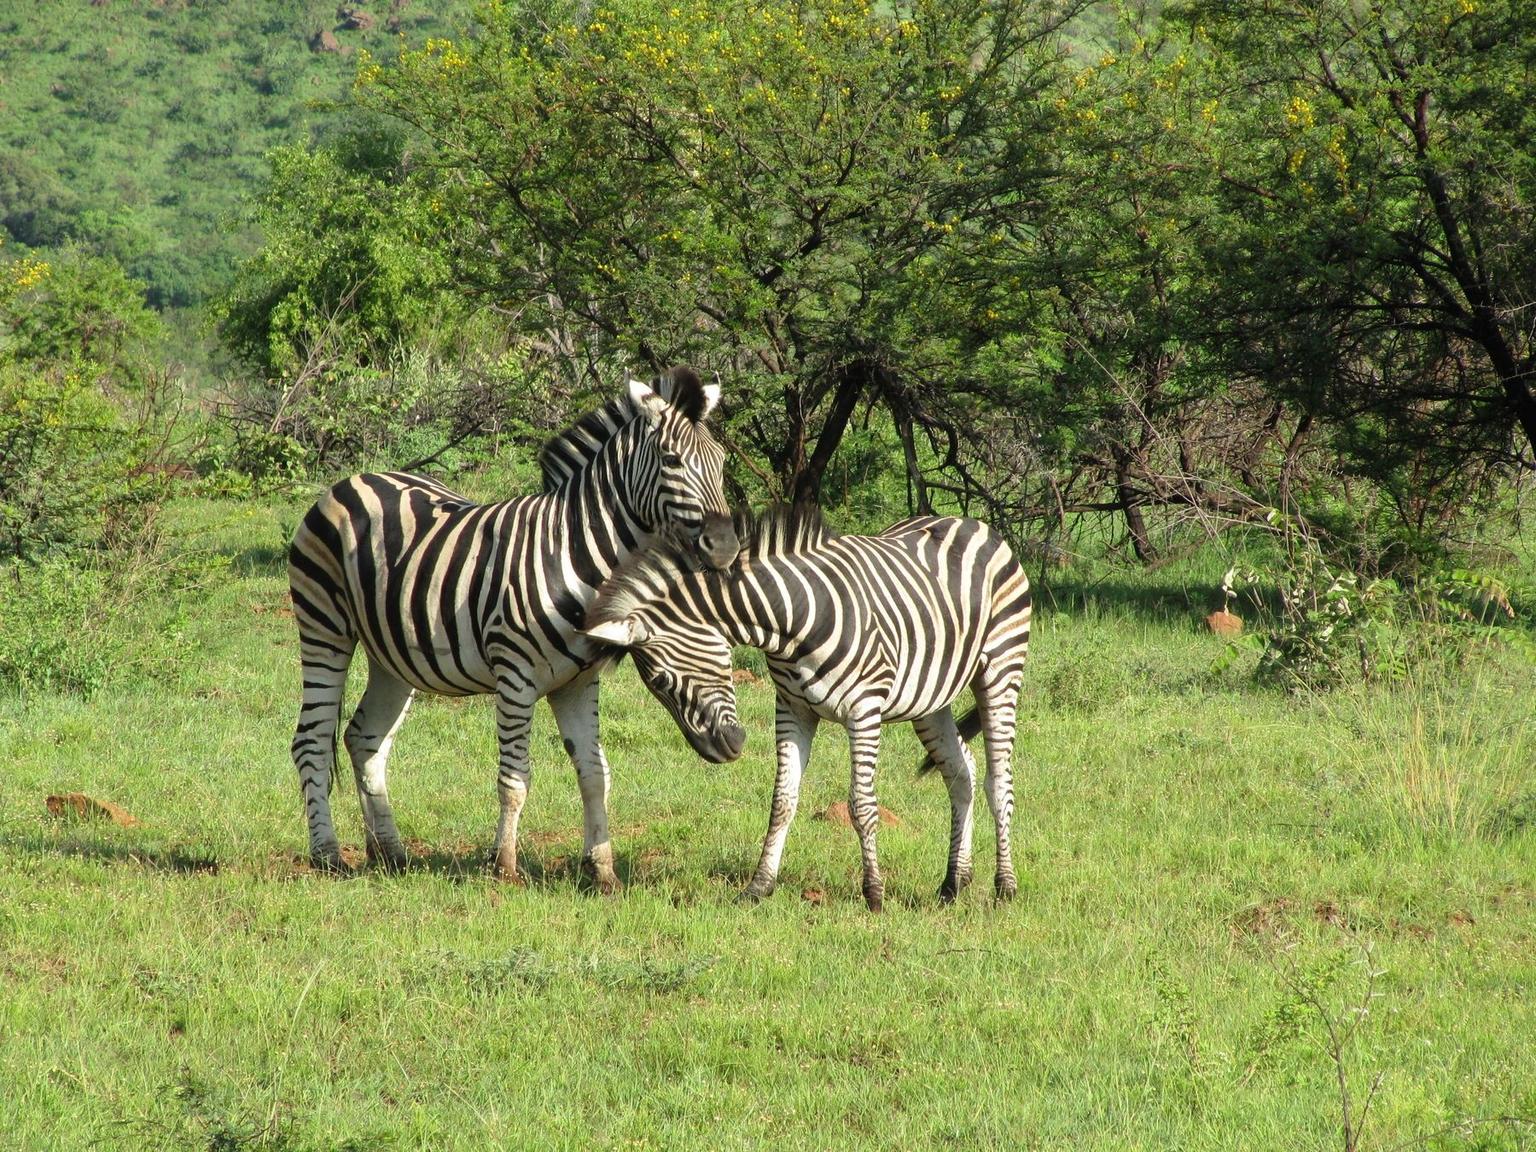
1211,877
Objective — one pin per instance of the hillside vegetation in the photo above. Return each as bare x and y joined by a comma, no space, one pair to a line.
136,127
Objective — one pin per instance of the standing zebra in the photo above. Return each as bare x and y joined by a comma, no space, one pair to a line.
459,599
864,630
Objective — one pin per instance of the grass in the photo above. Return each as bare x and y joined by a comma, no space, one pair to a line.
1191,850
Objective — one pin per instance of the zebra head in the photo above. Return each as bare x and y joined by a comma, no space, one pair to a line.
683,661
677,479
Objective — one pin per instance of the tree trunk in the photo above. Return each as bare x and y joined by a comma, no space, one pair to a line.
848,386
1130,505
918,501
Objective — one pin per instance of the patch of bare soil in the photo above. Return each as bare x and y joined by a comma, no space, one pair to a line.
79,806
1263,919
838,814
1329,913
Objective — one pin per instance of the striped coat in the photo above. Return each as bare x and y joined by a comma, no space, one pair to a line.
861,630
455,598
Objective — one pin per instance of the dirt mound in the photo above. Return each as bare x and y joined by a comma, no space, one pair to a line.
838,814
79,806
1224,623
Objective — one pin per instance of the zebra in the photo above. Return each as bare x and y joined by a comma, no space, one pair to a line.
455,598
863,630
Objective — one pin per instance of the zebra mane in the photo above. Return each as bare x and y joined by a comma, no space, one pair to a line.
567,454
781,530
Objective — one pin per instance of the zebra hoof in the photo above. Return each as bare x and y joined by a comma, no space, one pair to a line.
391,859
603,881
329,861
754,894
874,899
504,875
953,885
1006,887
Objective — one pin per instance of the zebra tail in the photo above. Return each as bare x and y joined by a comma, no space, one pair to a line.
969,725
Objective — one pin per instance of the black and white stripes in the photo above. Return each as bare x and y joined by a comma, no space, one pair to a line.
864,630
455,598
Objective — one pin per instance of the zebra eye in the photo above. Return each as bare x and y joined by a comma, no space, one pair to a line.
672,460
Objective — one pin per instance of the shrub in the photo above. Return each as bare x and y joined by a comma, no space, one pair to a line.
76,625
70,465
1331,626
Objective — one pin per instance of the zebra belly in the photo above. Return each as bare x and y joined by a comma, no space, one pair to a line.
428,662
917,697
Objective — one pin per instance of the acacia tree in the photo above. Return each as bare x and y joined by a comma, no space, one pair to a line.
1378,194
815,200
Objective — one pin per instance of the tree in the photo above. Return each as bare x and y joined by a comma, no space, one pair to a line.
814,200
79,310
1375,169
353,258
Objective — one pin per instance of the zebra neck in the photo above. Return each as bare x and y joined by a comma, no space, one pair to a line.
603,524
759,607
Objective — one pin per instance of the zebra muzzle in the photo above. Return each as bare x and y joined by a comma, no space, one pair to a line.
721,743
718,543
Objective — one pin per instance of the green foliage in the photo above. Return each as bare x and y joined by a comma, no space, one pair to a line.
813,201
51,625
72,469
1334,627
78,310
1366,253
134,130
71,626
353,264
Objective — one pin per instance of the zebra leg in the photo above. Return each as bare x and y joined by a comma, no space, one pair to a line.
368,738
514,718
941,740
314,742
793,731
999,716
864,746
575,708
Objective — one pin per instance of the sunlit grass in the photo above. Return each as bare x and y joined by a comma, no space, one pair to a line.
1181,837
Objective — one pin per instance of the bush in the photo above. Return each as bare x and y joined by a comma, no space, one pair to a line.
76,625
409,407
1331,626
79,310
71,466
51,619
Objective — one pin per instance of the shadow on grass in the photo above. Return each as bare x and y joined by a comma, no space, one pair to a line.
465,862
260,560
174,860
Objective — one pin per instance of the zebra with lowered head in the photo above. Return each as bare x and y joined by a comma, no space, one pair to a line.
455,598
863,630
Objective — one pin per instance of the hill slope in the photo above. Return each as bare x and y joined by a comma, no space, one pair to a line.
133,127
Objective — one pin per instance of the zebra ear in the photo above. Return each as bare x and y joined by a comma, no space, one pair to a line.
648,402
711,399
624,632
